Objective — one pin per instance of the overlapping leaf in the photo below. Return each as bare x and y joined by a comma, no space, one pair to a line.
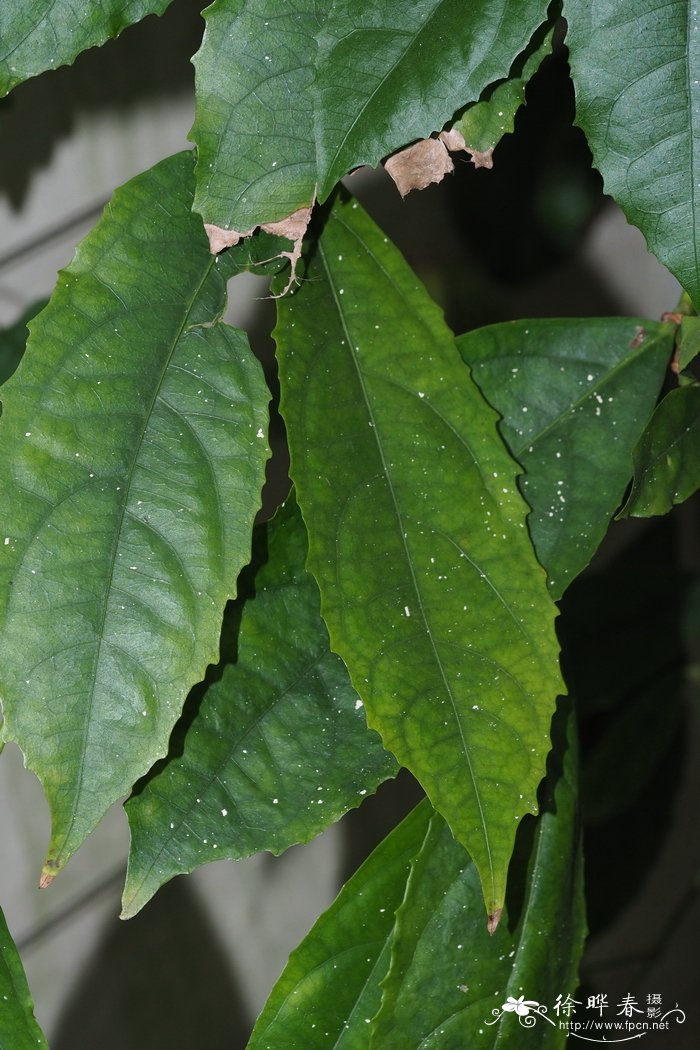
448,979
485,123
641,116
575,397
290,97
133,453
36,35
280,748
330,989
429,583
667,458
442,980
18,1027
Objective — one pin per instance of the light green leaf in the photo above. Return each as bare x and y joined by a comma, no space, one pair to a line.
280,748
574,397
636,70
329,989
36,35
448,979
667,458
132,458
429,583
18,1027
292,97
13,341
485,123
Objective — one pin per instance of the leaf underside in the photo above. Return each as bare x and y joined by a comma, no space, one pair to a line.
44,34
133,451
428,580
292,97
667,458
279,749
575,397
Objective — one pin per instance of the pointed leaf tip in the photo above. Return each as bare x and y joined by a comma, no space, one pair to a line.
493,921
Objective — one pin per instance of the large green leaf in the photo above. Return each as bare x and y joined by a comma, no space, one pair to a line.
36,35
429,583
18,1027
640,113
329,990
280,748
575,397
132,457
667,458
290,97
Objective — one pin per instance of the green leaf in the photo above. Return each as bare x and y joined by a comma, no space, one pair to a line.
18,1027
429,583
574,396
448,980
329,989
636,69
292,97
13,341
280,748
484,124
36,35
688,341
667,458
133,455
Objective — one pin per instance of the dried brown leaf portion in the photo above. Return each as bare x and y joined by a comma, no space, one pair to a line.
293,227
418,165
427,161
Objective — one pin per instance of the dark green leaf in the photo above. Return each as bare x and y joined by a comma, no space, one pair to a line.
429,583
574,396
36,35
18,1027
329,990
280,748
449,981
290,97
13,341
133,452
634,64
485,123
667,458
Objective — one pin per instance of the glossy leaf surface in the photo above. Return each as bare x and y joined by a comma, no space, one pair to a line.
280,747
429,583
667,458
36,35
290,97
575,397
449,981
636,70
329,991
18,1027
133,452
